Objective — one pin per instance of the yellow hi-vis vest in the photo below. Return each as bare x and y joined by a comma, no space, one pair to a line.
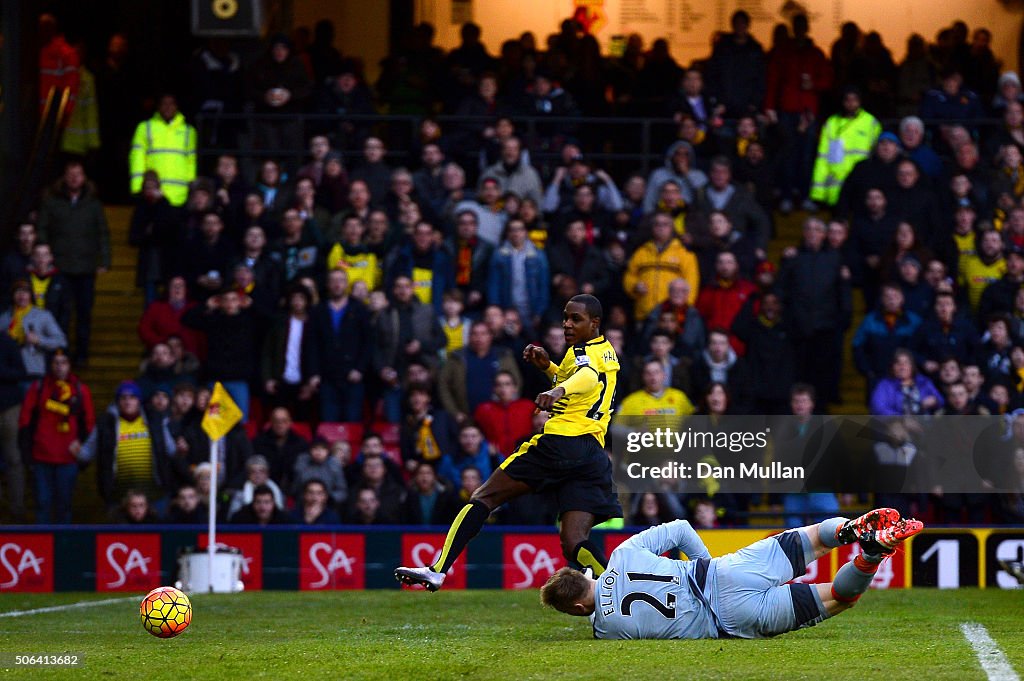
169,149
844,143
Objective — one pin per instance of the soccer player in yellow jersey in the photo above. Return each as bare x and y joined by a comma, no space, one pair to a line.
566,462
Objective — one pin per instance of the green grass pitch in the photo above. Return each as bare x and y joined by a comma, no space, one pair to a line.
506,636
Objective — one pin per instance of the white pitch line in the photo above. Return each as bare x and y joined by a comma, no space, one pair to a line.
69,606
990,656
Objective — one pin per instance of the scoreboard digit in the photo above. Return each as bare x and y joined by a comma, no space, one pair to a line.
945,560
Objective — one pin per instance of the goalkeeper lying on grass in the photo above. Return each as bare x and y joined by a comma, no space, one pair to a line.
743,595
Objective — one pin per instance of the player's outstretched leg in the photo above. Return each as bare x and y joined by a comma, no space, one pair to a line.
854,578
498,489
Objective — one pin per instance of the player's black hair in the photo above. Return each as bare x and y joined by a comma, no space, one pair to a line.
592,304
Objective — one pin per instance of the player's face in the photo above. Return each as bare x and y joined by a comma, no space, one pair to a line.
577,325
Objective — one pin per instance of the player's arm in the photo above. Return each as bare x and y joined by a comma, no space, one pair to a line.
678,534
582,381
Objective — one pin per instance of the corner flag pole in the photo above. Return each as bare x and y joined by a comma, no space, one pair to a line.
221,416
211,532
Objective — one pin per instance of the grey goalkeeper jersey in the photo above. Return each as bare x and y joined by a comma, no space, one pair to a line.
645,595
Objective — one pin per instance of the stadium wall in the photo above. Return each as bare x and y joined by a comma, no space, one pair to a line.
689,27
118,558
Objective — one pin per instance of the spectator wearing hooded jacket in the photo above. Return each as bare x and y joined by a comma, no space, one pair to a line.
681,167
514,173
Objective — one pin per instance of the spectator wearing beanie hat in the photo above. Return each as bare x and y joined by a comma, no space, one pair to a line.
129,451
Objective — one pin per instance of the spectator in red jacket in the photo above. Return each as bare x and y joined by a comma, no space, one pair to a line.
720,301
56,418
162,319
798,74
507,418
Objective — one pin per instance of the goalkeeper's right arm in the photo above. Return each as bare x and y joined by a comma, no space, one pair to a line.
676,534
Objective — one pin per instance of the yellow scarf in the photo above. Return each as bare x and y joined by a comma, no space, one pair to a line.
1017,176
741,146
426,444
16,329
678,214
998,219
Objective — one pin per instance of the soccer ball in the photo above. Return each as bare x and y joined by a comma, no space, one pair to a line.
165,612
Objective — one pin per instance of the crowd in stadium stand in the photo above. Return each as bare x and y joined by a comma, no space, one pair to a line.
367,309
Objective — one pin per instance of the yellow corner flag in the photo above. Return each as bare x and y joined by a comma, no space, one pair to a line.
221,414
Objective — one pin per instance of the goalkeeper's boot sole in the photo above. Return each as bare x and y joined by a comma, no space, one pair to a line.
872,521
884,542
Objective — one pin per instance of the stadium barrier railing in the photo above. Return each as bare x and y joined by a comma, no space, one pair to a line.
621,143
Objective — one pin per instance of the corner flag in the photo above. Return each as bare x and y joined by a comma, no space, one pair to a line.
221,414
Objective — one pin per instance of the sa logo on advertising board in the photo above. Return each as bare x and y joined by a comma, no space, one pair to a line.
529,559
332,561
127,562
251,546
26,562
422,549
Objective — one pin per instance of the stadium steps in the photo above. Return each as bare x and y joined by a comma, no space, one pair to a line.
116,349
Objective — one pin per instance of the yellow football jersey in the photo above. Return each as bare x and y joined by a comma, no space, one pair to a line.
642,409
590,412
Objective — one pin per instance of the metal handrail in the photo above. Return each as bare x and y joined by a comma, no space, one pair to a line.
646,150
